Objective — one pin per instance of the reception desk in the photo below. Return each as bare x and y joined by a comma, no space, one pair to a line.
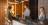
28,21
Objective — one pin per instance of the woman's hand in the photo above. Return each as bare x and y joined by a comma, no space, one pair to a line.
9,21
13,15
5,6
23,13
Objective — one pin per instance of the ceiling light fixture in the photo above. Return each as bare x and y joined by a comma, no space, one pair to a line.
17,2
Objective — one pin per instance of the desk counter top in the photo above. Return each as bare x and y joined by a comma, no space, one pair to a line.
30,21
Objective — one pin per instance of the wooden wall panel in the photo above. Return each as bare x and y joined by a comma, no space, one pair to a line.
2,11
19,7
12,0
0,17
26,3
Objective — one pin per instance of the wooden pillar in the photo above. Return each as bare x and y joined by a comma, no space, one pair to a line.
15,8
22,7
7,3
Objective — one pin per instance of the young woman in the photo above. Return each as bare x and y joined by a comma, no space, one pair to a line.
42,15
9,16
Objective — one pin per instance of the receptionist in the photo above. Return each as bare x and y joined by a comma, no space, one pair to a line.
42,15
26,12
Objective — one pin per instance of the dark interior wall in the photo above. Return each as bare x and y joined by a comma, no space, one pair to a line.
33,5
36,9
32,8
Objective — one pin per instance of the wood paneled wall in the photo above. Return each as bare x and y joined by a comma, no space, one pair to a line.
19,9
2,11
19,6
3,3
26,3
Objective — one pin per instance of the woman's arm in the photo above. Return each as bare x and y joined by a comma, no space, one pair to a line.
44,17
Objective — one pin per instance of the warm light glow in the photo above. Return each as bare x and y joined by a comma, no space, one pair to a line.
14,3
26,0
22,7
15,8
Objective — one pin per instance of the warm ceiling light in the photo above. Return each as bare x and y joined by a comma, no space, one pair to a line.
9,2
17,1
25,0
14,3
22,1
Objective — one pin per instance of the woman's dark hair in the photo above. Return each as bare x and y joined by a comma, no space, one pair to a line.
27,5
9,7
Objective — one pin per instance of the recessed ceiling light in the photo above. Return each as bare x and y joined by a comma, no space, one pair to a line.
17,1
25,0
13,3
